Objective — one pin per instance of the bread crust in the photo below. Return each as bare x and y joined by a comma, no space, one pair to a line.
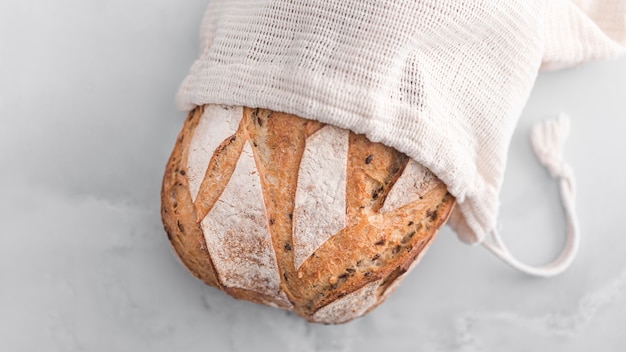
367,257
178,211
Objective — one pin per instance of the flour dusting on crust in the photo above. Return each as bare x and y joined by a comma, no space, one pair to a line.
320,202
216,124
349,307
236,232
415,182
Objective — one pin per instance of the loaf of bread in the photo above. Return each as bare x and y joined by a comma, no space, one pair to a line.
289,212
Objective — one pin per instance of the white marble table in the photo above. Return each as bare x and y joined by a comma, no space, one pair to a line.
87,120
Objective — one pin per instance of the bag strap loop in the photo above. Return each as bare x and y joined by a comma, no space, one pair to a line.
548,139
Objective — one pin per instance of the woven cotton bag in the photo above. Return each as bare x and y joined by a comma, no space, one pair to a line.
442,81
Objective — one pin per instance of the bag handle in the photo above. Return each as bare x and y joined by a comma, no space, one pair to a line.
547,139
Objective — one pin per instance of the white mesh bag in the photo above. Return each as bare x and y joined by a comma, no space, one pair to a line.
443,81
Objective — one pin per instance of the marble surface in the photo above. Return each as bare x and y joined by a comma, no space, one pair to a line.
87,121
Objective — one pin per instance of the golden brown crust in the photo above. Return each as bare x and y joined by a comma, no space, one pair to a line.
178,212
342,264
279,139
218,172
372,247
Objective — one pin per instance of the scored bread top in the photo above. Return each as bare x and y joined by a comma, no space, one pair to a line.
285,211
320,201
